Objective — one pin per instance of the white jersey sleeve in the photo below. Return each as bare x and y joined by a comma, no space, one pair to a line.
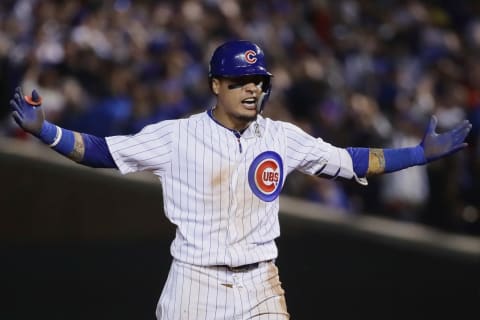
150,149
314,156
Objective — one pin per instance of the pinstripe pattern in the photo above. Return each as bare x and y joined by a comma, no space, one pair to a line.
220,220
255,294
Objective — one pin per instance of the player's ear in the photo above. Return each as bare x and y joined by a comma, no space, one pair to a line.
215,85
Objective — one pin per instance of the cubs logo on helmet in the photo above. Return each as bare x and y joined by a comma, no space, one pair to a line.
250,56
265,175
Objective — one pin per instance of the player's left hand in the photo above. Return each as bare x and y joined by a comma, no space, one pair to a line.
436,145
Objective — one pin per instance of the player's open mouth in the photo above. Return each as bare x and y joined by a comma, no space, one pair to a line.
250,103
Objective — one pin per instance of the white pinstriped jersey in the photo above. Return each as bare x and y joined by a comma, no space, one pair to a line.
221,188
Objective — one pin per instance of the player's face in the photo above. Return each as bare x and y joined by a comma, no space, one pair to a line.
237,100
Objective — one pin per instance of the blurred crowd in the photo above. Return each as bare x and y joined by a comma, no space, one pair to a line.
355,73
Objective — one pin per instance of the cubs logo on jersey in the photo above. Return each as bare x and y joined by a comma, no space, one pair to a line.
265,175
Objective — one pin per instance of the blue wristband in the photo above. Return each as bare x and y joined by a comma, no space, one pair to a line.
48,133
66,143
59,139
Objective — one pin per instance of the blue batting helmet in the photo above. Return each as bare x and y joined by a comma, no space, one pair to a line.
240,58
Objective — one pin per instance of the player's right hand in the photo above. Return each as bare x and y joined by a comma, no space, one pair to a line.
27,111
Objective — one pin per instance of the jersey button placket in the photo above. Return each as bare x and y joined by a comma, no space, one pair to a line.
231,229
233,206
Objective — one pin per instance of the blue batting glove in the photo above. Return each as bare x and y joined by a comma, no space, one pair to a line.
27,111
436,145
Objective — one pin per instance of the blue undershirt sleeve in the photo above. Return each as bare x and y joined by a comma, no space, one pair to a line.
97,154
395,159
359,160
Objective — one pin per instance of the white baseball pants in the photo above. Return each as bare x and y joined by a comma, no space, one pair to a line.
196,292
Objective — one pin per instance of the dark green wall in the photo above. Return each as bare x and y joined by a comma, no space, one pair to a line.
76,244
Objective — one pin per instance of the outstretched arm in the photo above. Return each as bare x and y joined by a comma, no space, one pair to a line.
371,161
82,148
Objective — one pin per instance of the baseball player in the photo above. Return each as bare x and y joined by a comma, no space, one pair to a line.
222,171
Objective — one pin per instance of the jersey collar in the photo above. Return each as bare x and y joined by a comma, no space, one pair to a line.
237,133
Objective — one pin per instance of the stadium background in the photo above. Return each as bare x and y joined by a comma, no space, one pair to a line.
356,73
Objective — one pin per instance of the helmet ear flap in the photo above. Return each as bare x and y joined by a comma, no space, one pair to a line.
267,85
261,102
263,98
